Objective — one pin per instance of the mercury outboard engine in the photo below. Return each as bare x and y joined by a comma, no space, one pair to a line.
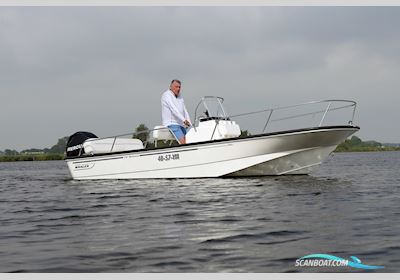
74,144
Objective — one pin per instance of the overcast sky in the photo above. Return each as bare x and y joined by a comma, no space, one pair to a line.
103,69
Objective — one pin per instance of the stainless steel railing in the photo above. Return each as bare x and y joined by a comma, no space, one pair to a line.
331,105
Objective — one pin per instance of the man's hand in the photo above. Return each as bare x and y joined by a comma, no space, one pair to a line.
186,123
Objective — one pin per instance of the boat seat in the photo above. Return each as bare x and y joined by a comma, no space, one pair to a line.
94,146
162,133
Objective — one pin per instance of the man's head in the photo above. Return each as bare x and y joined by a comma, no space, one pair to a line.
175,87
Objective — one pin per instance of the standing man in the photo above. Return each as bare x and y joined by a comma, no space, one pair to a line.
174,113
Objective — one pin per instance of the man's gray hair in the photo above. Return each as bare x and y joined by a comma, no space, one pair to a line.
175,81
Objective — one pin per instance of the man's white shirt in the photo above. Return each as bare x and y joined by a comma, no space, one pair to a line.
173,109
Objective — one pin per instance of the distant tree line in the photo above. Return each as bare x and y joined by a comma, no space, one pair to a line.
355,144
56,152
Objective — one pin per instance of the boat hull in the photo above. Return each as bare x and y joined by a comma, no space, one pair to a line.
293,152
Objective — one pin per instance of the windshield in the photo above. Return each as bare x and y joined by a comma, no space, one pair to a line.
211,107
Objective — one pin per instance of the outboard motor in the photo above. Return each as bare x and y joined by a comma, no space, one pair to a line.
74,144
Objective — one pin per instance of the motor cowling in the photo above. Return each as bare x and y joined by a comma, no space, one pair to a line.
74,144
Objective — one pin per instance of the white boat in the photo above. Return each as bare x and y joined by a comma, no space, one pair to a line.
216,146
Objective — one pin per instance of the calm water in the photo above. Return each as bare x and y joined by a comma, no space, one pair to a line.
349,207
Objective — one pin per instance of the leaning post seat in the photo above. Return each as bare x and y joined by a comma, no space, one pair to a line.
162,133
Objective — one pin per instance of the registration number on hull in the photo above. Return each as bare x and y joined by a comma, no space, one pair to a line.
168,157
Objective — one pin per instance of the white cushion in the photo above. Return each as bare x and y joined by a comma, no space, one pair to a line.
98,146
162,133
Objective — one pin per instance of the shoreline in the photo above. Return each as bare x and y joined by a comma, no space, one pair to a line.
30,157
366,149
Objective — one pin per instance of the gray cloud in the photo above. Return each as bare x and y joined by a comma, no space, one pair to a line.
102,69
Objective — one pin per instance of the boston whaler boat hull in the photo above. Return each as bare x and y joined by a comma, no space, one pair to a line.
216,146
289,152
